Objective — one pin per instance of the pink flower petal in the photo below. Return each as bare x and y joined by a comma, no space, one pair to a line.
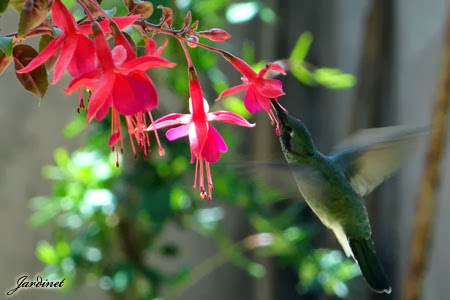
270,88
250,100
131,94
42,57
143,63
119,54
151,50
67,50
213,146
122,22
243,68
198,132
263,101
114,138
196,102
218,139
102,48
100,95
84,58
62,17
177,132
229,117
170,120
277,68
232,90
89,79
103,110
120,39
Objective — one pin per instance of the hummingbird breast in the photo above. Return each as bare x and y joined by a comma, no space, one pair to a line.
331,197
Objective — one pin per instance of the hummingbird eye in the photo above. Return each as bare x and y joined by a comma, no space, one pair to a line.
289,129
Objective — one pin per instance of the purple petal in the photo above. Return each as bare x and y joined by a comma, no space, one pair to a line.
177,132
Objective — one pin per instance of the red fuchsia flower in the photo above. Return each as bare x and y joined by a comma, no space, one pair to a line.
76,50
205,141
121,83
259,89
136,124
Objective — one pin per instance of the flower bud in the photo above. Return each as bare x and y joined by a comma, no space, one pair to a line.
192,41
215,34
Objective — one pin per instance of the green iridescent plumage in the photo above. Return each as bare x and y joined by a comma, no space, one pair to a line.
333,186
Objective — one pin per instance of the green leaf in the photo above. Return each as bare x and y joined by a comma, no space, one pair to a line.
33,13
301,49
62,157
6,45
35,81
268,15
62,248
334,78
303,75
17,4
46,253
75,127
3,6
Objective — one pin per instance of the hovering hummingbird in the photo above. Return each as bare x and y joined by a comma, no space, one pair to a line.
334,186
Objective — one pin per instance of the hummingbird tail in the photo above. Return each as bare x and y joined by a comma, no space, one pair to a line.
364,253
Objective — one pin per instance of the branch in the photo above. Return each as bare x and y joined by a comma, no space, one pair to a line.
426,200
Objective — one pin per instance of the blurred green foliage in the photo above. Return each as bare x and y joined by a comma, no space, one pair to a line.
328,77
105,221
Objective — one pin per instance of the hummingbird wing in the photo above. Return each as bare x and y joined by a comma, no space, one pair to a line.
372,155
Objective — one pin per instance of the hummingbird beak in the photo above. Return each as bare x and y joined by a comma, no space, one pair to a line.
280,111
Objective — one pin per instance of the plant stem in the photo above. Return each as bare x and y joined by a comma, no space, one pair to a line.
426,200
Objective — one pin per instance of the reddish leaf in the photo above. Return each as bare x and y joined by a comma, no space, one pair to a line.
194,25
129,4
167,15
143,8
33,13
5,60
36,81
187,19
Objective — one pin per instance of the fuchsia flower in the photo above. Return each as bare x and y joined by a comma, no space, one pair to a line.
259,89
205,141
76,50
137,123
120,83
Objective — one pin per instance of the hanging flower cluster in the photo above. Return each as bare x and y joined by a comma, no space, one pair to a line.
115,81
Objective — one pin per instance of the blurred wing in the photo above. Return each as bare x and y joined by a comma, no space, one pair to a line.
372,155
277,175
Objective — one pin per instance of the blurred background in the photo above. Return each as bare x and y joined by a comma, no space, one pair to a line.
140,232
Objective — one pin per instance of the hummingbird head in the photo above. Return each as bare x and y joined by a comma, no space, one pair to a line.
295,138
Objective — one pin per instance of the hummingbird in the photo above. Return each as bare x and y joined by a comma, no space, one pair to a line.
334,186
